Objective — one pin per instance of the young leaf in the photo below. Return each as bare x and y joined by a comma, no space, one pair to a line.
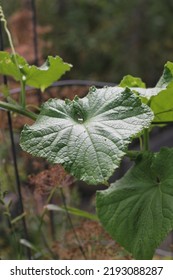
138,87
137,209
167,76
132,82
38,77
87,136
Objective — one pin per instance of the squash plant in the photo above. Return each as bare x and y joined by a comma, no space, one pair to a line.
89,136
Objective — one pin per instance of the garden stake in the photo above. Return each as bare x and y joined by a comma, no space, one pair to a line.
35,42
18,184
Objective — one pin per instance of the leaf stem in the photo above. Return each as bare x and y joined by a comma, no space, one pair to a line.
45,210
146,140
18,109
23,94
133,154
71,224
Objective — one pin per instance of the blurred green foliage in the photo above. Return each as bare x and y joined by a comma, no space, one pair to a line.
106,40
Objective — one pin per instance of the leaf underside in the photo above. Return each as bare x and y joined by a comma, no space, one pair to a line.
88,136
137,210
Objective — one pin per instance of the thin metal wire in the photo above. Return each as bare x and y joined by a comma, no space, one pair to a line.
16,171
68,83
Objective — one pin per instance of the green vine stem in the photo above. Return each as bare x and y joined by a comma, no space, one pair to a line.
3,19
22,78
45,210
133,154
146,140
18,109
15,242
22,95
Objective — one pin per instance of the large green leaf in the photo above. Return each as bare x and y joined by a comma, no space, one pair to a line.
137,210
87,136
38,77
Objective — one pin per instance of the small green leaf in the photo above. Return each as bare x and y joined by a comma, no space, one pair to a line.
138,87
38,77
132,82
137,209
87,136
167,76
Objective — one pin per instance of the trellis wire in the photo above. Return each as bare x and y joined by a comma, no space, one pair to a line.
70,83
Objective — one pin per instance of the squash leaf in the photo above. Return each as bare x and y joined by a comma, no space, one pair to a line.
88,136
137,210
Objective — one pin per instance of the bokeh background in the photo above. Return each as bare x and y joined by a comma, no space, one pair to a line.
104,40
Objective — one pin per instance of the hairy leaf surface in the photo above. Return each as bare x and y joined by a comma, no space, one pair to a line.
38,77
87,136
137,209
